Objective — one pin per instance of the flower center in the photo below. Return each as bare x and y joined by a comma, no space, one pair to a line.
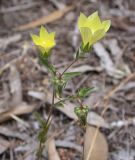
44,43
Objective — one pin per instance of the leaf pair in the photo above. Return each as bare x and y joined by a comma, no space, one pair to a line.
82,113
60,81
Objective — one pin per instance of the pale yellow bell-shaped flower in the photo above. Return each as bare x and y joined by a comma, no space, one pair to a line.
91,28
45,41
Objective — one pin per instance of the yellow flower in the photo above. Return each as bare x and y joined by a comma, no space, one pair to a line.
45,41
91,28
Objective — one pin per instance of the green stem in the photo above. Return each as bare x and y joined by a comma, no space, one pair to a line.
68,67
45,62
80,102
83,144
40,150
41,144
51,109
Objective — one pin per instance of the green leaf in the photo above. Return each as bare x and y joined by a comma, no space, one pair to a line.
41,121
84,92
82,113
59,103
69,75
42,136
59,84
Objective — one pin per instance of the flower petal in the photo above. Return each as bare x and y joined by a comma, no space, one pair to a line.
86,35
49,40
52,36
35,39
82,20
94,22
43,33
106,25
49,44
98,35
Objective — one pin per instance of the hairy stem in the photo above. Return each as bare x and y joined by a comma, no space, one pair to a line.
41,144
74,61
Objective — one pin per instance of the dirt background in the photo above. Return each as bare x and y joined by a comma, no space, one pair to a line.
25,85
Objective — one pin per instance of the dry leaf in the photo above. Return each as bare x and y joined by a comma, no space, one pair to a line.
46,19
97,143
7,132
86,68
106,62
96,120
37,95
15,85
68,110
124,154
23,108
4,42
30,157
117,54
4,101
4,145
52,152
69,145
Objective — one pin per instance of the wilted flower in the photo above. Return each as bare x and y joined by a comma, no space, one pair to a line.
45,41
92,29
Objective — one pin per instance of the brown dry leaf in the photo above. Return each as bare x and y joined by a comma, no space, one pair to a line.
15,85
99,148
106,62
4,99
7,132
52,152
37,95
4,145
45,19
69,145
22,108
124,154
5,42
86,68
96,120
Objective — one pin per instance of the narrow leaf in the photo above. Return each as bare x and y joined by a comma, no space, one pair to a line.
40,119
84,92
69,75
